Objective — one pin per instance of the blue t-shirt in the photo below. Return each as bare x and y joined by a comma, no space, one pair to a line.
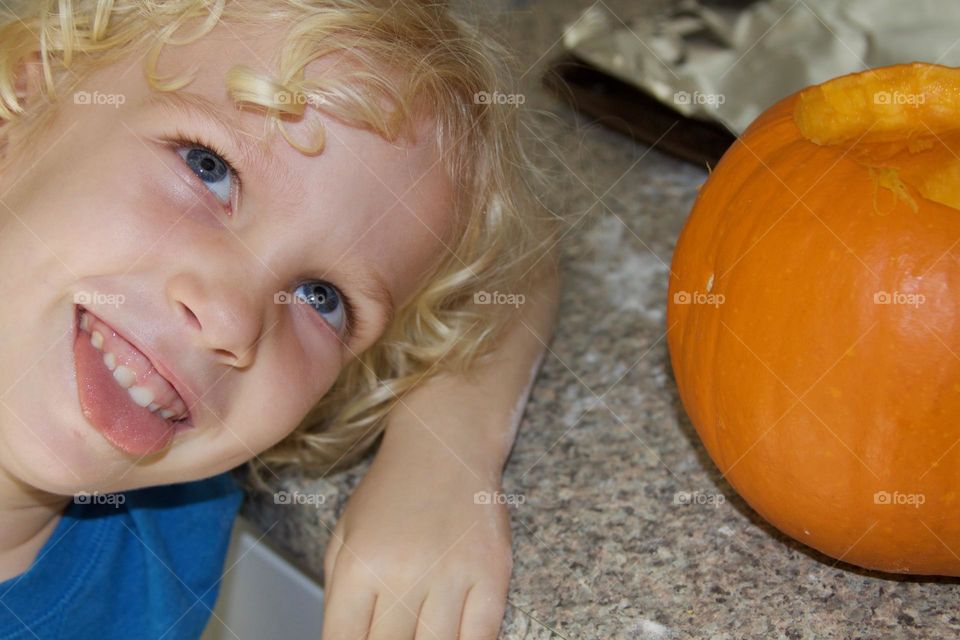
147,568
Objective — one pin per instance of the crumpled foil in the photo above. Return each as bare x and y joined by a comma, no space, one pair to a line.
730,66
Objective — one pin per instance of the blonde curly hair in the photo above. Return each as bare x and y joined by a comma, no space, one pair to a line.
412,55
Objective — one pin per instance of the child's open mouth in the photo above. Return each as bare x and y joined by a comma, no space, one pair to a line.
121,392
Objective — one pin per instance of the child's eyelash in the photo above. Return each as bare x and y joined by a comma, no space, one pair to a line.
181,139
349,328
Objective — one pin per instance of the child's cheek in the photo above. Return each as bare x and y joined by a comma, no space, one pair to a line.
273,402
83,202
308,363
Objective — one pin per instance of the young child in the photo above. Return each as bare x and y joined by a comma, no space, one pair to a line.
185,291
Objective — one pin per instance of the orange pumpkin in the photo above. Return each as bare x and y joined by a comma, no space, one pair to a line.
814,317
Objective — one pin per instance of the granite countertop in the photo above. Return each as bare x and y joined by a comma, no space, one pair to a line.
601,550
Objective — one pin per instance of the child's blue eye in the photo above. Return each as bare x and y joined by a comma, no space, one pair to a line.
213,170
325,299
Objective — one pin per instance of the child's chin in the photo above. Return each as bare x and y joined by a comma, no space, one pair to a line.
66,460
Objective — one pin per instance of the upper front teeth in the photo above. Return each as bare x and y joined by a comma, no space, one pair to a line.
124,376
141,395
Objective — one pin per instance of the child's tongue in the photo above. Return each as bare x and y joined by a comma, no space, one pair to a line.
108,407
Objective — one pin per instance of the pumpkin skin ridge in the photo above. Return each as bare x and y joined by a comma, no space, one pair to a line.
714,407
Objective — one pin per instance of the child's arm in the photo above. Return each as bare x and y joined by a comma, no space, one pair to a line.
414,554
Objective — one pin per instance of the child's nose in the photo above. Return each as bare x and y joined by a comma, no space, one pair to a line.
228,319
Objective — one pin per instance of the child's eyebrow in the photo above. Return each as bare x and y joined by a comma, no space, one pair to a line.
276,173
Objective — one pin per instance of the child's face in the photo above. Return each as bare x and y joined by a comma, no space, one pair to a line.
105,206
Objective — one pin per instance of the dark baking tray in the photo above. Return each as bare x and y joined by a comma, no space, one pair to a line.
630,110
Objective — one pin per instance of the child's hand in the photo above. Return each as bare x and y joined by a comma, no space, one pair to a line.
415,557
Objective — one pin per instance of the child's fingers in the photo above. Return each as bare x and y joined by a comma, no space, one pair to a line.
347,610
483,611
394,619
330,557
440,615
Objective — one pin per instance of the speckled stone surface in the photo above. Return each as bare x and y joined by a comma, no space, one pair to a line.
601,548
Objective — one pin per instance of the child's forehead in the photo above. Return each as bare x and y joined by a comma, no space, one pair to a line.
261,47
232,44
